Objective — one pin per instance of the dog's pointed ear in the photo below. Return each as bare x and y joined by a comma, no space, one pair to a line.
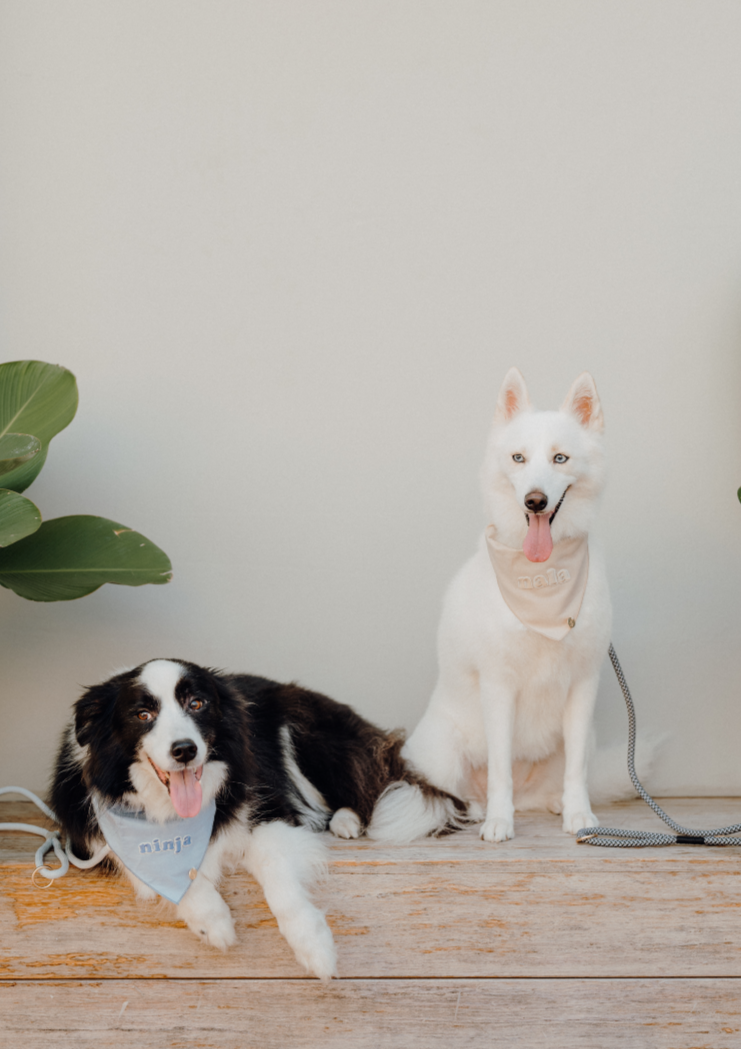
582,401
513,397
91,709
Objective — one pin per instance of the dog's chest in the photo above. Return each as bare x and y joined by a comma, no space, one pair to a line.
539,675
538,714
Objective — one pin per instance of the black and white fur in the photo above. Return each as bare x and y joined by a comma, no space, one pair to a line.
280,761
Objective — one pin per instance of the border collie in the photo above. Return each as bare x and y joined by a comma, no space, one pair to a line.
167,740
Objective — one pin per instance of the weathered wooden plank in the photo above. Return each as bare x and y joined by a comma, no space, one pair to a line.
430,1014
539,839
455,907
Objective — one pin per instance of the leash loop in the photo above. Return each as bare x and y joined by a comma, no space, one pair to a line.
36,884
619,837
52,841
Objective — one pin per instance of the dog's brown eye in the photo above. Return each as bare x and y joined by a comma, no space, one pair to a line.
196,704
145,715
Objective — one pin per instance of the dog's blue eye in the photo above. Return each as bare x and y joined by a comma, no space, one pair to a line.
518,457
560,458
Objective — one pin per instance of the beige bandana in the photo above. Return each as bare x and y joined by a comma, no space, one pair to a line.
546,597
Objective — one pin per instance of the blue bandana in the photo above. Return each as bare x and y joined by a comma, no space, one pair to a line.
165,856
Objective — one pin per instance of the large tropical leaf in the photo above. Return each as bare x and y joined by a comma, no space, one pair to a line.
18,517
17,449
24,475
69,557
35,398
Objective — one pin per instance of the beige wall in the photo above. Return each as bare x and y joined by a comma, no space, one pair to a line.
290,249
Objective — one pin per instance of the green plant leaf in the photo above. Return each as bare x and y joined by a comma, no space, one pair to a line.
69,557
35,398
18,517
16,449
24,475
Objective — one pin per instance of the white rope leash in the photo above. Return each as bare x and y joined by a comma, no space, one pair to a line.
63,854
619,837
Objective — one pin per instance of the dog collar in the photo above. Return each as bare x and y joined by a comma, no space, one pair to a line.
545,597
165,856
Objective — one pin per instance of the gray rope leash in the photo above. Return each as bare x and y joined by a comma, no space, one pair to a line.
618,837
63,854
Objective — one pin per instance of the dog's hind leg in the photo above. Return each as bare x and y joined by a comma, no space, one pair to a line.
435,749
577,737
285,860
346,824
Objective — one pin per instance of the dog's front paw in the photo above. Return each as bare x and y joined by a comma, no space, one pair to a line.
345,824
208,916
497,829
312,943
219,932
573,822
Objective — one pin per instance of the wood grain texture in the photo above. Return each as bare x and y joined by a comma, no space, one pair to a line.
539,906
366,1014
534,943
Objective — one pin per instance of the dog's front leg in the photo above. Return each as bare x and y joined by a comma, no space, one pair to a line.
499,710
202,908
577,736
286,860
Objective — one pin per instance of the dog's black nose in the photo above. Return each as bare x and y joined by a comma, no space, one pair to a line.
536,502
184,750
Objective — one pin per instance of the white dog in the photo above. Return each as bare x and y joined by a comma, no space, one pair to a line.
526,624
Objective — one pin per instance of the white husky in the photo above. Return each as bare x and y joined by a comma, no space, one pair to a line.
510,698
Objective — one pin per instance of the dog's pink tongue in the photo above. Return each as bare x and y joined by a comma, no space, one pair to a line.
538,543
185,792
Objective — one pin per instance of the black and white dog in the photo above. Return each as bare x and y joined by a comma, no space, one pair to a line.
170,741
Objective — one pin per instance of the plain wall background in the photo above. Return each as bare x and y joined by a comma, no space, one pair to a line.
290,250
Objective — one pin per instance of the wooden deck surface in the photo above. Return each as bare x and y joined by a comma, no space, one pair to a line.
451,942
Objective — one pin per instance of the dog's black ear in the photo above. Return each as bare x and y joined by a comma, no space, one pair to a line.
92,710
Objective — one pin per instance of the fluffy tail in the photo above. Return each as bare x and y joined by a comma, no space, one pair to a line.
406,811
608,769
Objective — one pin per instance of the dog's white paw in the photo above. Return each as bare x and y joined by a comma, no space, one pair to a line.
497,829
575,821
220,932
345,824
208,916
321,957
312,943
